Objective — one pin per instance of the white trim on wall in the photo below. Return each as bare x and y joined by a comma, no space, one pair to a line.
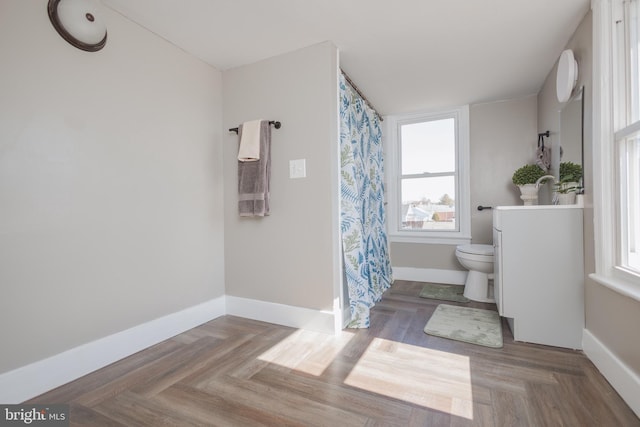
623,379
286,315
39,377
432,275
620,376
607,198
32,380
341,304
394,177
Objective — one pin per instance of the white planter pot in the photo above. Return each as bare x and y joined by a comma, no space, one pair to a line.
567,198
529,194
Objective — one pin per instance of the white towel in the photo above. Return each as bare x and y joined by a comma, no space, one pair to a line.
249,150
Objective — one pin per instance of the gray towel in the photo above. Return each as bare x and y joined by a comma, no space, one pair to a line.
254,177
543,157
543,154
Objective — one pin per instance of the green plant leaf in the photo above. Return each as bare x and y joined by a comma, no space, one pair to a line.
527,174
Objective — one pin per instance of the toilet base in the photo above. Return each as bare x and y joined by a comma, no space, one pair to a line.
477,287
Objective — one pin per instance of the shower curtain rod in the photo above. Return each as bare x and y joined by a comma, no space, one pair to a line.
364,98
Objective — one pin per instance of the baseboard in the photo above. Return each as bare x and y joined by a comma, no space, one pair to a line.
433,275
281,314
620,376
32,380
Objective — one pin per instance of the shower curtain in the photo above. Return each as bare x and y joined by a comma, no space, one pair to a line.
362,217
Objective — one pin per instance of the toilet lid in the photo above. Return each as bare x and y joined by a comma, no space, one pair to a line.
476,249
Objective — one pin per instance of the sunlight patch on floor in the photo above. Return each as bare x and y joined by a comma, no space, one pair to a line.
307,351
425,377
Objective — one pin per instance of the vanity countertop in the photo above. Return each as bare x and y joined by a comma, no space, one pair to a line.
537,207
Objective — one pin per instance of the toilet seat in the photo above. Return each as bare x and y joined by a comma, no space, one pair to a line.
476,249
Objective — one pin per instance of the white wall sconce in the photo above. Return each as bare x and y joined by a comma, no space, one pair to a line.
79,22
567,76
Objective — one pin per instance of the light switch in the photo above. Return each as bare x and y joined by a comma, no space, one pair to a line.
298,168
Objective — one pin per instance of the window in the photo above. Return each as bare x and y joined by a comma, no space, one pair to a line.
616,140
428,177
627,133
630,189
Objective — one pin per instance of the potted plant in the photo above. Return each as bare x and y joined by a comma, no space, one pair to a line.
570,175
566,192
526,178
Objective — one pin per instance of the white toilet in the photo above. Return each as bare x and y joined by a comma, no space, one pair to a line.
478,259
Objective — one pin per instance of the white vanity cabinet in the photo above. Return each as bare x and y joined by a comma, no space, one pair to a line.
539,274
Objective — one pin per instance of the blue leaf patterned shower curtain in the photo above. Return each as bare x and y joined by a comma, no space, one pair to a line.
362,217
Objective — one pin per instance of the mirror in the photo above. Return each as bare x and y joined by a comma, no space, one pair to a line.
570,144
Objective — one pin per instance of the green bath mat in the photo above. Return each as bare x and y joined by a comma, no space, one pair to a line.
443,292
472,325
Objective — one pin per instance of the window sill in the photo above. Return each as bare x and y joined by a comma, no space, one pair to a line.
430,240
623,287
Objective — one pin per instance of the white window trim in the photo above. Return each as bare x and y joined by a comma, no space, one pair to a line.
605,202
392,171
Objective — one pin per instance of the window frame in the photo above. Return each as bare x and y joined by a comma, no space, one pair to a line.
610,129
393,174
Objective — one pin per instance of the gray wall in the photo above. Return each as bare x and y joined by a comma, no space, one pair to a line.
290,256
503,137
110,184
610,316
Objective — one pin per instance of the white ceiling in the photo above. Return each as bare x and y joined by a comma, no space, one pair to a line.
405,55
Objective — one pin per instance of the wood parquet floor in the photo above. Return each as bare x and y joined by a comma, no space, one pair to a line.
239,372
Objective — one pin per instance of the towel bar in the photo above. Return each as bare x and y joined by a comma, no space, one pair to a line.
275,124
